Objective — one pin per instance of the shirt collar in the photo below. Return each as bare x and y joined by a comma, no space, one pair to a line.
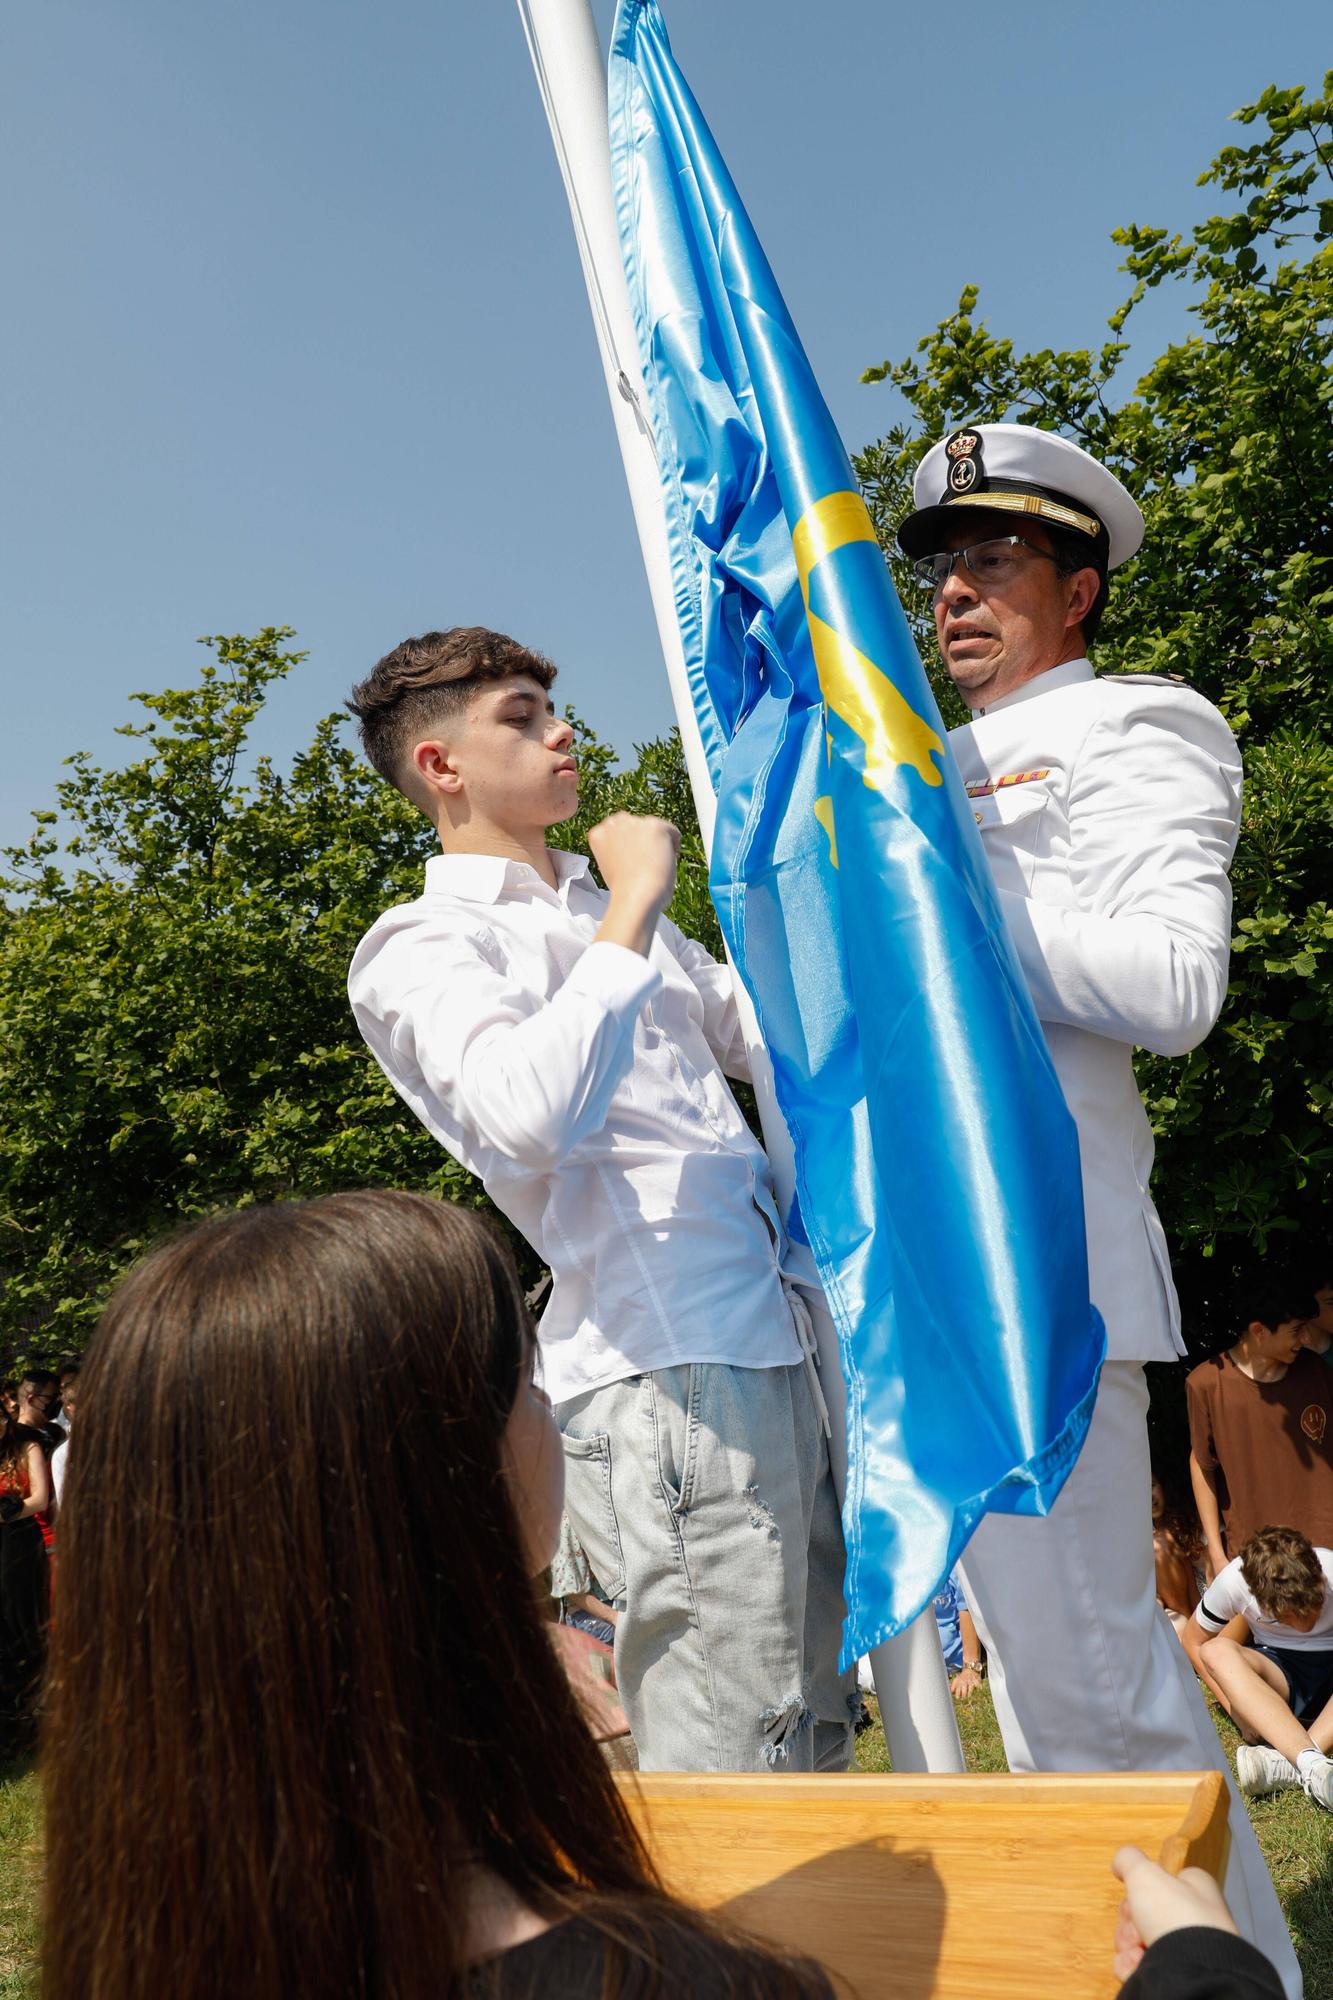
488,878
1067,675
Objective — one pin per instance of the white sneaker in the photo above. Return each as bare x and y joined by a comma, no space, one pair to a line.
1317,1779
1260,1770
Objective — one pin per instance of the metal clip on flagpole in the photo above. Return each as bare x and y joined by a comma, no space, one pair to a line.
570,68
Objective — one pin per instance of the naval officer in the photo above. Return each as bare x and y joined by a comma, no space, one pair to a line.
1109,810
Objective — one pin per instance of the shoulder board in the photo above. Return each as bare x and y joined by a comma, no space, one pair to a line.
1149,680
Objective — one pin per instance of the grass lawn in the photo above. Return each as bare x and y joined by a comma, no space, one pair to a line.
20,1868
1296,1838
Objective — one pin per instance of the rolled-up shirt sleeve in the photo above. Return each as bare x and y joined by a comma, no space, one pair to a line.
1154,812
525,1077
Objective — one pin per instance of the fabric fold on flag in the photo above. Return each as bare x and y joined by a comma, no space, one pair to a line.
937,1166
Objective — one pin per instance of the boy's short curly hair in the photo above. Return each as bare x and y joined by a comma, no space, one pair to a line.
1283,1570
422,682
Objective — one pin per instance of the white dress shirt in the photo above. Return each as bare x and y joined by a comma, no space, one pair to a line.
1109,810
583,1085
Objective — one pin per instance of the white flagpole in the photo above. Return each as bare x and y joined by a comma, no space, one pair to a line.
567,58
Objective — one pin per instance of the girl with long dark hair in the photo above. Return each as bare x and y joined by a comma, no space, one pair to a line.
1178,1547
308,1733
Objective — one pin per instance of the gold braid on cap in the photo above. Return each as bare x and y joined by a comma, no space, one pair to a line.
1026,503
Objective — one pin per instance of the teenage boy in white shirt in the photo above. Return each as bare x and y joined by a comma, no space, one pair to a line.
567,1044
1262,1636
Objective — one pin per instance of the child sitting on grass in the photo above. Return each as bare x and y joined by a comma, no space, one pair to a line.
1278,1690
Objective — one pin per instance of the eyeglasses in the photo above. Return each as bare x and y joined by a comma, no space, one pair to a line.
996,561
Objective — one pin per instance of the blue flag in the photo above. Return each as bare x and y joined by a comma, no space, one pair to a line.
937,1168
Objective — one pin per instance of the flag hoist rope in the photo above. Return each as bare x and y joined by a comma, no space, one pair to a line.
570,69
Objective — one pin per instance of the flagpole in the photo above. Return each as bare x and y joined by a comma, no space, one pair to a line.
570,68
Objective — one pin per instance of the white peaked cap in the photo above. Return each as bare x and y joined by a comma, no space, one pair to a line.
1013,469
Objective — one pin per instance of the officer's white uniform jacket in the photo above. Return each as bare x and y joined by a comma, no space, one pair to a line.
1109,810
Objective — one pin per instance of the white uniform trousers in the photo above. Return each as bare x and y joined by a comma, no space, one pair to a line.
1086,1671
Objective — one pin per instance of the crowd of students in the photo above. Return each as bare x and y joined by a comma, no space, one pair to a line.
305,1730
1244,1550
35,1418
1243,1542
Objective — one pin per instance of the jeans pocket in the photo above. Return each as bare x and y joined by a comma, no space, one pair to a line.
592,1509
676,1394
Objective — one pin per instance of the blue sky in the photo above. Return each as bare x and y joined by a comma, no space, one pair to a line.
296,332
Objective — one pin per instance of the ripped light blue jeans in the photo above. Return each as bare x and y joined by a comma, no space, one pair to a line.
703,1499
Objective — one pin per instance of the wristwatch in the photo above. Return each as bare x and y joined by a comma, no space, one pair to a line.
977,1666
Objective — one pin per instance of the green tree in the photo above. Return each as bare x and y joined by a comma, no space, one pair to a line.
173,959
1225,441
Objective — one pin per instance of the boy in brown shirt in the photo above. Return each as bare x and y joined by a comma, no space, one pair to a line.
1261,1431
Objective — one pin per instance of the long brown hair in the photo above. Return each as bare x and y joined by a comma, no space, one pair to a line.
16,1440
300,1679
